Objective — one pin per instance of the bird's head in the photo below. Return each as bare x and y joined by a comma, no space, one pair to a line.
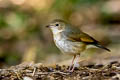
57,26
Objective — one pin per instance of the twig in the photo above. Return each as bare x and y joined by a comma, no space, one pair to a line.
46,73
17,75
34,71
60,72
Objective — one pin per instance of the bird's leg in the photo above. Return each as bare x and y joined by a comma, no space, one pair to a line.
72,62
78,56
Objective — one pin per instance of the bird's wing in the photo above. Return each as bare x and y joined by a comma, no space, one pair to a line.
81,37
85,38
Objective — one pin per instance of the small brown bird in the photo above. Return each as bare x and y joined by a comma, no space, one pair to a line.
71,40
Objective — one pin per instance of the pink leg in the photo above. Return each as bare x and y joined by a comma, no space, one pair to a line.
72,62
78,56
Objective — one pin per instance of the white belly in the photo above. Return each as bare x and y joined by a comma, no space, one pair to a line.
69,47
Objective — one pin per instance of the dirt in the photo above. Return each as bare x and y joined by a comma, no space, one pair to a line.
28,71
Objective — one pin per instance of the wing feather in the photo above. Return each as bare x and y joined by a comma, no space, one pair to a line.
81,37
85,38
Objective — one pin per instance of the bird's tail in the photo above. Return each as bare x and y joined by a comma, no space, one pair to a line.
100,46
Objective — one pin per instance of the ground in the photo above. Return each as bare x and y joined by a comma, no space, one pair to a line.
30,71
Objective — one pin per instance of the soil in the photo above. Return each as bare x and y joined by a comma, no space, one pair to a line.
28,71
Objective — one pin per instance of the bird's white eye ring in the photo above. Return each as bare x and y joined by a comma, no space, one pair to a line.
56,24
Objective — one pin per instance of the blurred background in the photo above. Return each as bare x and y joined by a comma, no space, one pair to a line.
24,37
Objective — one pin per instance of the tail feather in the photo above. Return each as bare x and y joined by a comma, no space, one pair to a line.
100,46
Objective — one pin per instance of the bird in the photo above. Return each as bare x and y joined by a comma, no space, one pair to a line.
71,40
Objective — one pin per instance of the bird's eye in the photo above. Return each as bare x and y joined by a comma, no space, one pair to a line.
56,24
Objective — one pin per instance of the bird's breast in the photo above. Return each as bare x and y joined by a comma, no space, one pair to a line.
67,46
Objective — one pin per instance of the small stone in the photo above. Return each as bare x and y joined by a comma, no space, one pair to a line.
27,78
